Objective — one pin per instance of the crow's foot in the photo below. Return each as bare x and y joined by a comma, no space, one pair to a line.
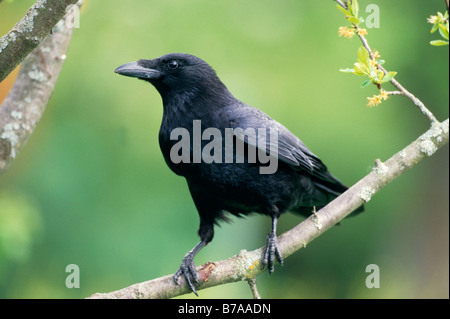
187,270
271,252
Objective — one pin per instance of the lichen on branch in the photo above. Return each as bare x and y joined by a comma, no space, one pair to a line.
29,32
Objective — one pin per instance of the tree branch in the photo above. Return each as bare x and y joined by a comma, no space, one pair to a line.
247,265
29,32
23,107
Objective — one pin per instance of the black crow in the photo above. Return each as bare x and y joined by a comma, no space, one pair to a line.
273,173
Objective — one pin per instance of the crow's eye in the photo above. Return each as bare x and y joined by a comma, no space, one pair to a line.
173,64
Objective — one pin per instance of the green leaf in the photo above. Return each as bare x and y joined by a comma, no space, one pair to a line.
347,70
363,56
434,28
361,69
438,43
355,8
346,12
365,83
380,62
353,20
443,31
388,77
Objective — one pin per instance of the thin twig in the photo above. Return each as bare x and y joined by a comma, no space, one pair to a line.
397,85
412,97
341,4
393,81
394,92
253,288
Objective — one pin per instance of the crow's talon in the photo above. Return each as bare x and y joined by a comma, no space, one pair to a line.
271,252
187,270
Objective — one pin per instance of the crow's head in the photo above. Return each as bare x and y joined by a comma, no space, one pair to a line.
174,73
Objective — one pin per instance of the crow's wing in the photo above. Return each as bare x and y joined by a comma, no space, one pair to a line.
288,147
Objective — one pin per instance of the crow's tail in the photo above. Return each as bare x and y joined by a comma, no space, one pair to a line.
330,188
326,188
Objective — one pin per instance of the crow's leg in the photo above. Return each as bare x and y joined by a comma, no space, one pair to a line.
272,251
187,267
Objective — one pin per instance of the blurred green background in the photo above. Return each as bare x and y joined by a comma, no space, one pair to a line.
91,187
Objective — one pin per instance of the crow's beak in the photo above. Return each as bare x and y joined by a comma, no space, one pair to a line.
133,69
